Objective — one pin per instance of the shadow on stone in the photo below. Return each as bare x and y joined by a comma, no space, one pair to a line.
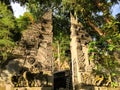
83,86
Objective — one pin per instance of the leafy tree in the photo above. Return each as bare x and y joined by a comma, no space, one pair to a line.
21,24
24,21
38,7
6,27
118,19
61,37
7,3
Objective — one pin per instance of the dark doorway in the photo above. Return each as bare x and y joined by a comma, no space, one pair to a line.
62,79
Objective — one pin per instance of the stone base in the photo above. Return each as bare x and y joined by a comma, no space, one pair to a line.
33,88
25,88
99,88
106,88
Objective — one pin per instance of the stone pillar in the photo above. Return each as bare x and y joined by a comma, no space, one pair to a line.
81,66
34,52
44,54
73,47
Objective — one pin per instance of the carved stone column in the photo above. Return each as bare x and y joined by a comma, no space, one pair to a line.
81,66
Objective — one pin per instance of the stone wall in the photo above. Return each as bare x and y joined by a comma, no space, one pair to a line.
33,54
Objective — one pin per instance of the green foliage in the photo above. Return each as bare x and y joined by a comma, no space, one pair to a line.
61,35
101,53
114,84
6,26
38,7
6,17
24,21
6,43
21,24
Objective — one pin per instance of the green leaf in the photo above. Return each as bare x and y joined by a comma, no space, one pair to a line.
6,43
111,47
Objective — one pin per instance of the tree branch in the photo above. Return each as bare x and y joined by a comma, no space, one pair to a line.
98,30
95,28
103,9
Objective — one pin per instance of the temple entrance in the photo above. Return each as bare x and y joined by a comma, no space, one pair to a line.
62,80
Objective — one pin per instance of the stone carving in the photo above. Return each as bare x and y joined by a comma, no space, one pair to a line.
98,80
101,80
33,51
30,79
81,66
